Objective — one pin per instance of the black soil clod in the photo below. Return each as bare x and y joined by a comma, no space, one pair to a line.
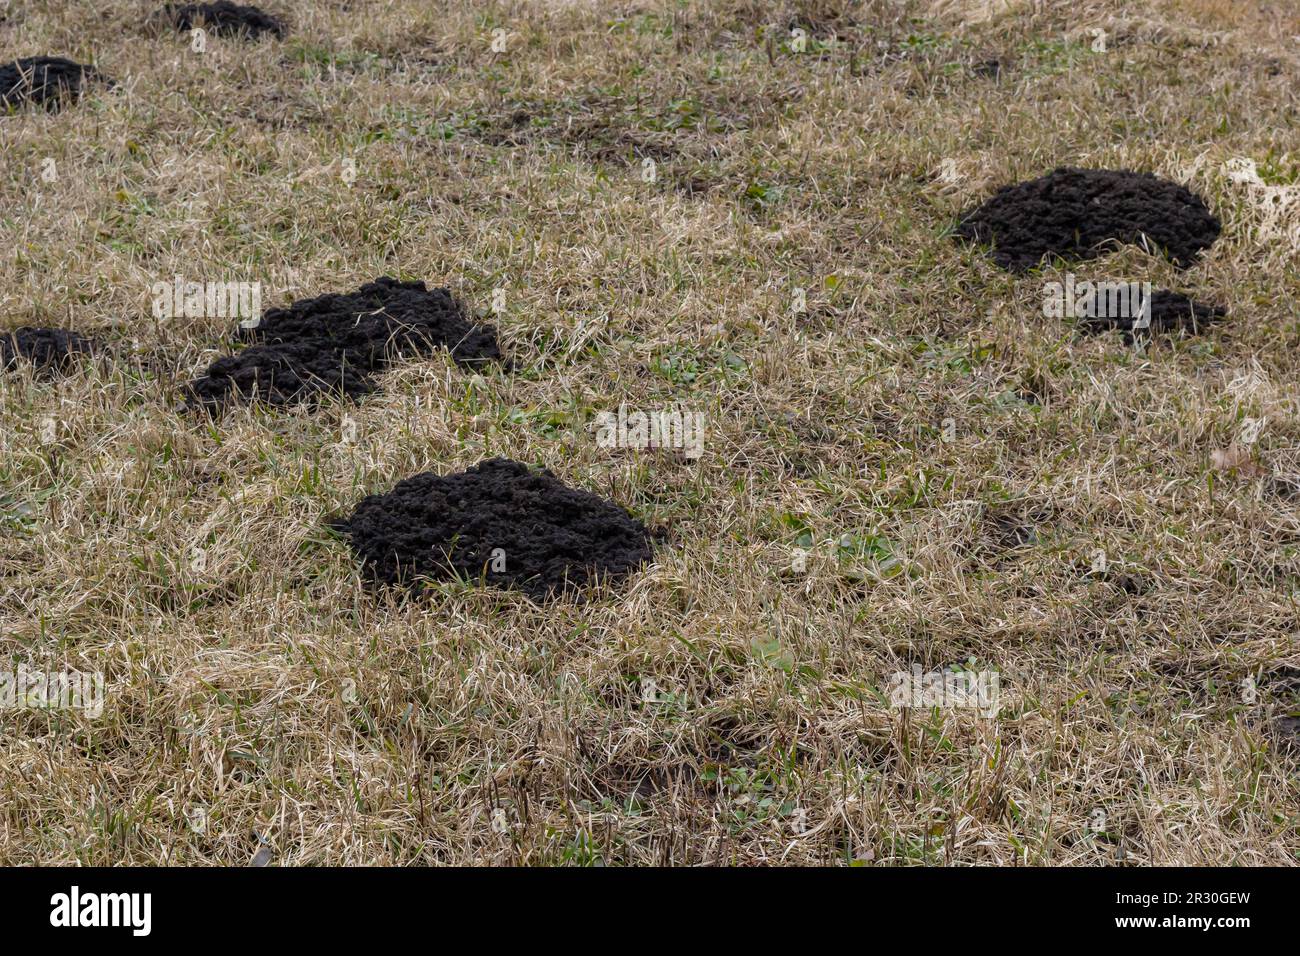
224,18
48,350
43,80
337,343
279,375
1077,213
552,539
1171,313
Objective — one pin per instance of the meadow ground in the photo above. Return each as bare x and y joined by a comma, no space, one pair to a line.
1114,531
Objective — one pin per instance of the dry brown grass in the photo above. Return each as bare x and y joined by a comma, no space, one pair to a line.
722,708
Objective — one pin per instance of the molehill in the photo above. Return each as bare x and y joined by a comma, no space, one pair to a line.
1076,213
1171,312
500,523
225,19
44,81
48,350
337,343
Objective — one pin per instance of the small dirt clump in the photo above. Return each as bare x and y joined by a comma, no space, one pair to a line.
337,343
45,81
1171,313
225,19
48,350
1077,213
501,523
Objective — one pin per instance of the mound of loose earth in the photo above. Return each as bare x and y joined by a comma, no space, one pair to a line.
501,523
337,343
224,18
43,80
48,350
1075,213
1171,312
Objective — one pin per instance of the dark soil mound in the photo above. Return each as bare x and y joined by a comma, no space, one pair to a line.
1171,312
279,375
44,80
552,538
48,350
224,18
1074,213
337,343
381,319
